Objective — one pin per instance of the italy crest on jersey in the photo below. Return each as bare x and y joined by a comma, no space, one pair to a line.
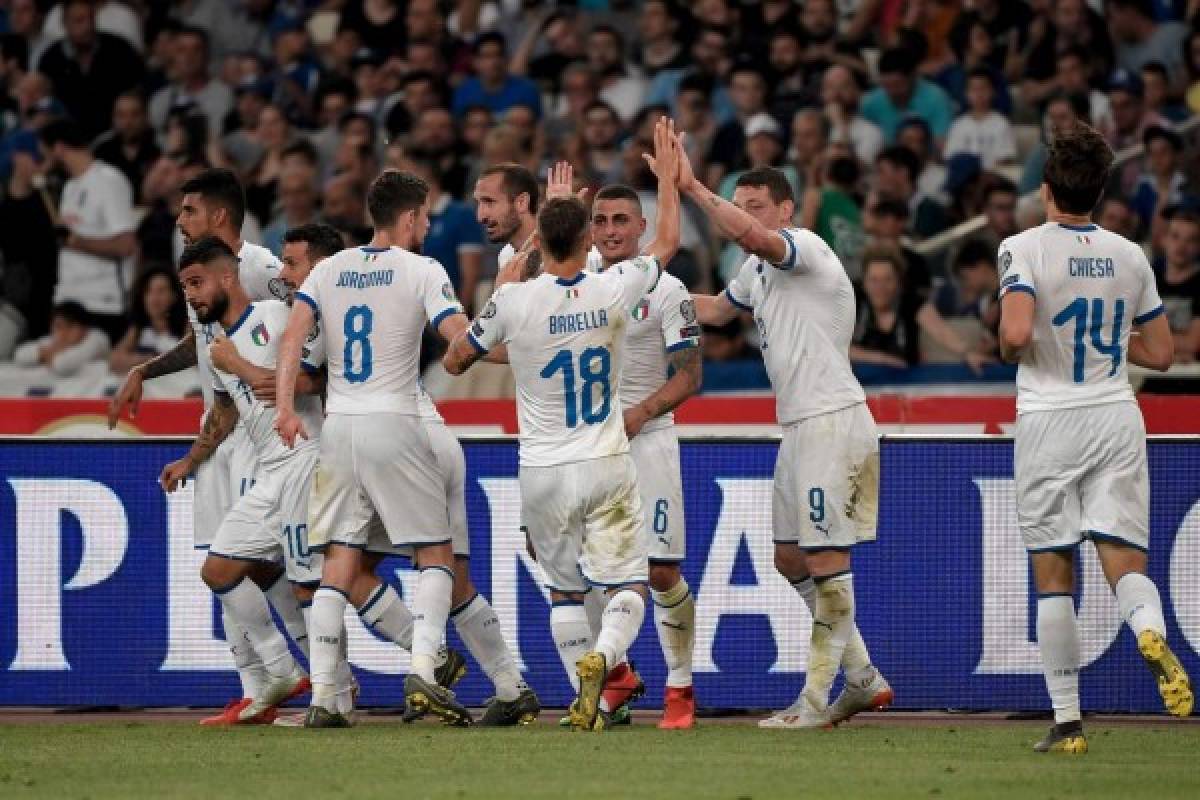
641,311
259,335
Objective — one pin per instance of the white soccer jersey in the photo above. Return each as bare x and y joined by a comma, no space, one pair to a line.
804,309
426,408
257,335
595,262
565,340
258,271
663,322
374,303
1091,287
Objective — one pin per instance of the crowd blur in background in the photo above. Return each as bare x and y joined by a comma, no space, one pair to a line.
895,121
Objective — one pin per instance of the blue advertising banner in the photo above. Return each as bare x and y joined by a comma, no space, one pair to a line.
101,601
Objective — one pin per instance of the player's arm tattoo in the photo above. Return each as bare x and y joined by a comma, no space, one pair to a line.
688,374
219,424
177,359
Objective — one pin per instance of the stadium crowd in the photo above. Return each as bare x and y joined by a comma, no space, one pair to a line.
893,121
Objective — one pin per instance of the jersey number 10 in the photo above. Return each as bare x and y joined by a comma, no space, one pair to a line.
595,366
1077,310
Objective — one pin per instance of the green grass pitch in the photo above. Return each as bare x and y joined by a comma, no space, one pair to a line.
138,759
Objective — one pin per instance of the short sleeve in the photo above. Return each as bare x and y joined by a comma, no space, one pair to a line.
800,251
1150,304
679,326
119,216
310,292
259,276
492,326
1016,270
638,276
740,290
213,377
438,294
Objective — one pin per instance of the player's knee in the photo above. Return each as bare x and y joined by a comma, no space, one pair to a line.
826,562
790,563
219,573
304,594
567,597
664,577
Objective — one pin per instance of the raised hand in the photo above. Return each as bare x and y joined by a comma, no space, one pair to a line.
561,182
687,177
665,161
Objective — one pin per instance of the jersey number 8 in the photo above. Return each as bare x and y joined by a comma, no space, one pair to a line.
357,327
595,365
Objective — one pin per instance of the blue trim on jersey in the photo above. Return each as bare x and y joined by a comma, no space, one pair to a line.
565,282
1149,315
737,302
367,249
475,343
613,586
789,258
438,319
232,329
309,368
819,548
1020,287
1101,536
683,345
312,303
1079,228
250,559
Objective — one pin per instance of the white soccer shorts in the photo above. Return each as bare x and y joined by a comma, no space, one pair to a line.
826,492
1081,473
585,521
270,522
219,482
656,456
378,464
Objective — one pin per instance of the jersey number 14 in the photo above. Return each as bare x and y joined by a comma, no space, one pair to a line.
595,367
1089,327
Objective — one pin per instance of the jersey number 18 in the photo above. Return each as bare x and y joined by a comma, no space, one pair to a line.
595,366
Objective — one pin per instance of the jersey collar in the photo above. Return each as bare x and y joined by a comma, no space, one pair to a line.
240,320
1078,228
572,281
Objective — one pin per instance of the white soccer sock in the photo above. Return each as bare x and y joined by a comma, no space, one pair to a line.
431,607
385,613
288,608
479,628
856,660
1140,605
622,620
833,621
1058,640
249,666
572,635
594,603
327,616
245,602
675,618
343,675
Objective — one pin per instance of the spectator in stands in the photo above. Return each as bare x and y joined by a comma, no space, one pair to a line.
830,208
89,69
455,238
1162,184
600,158
35,106
1072,23
96,211
274,134
28,244
492,86
1157,94
14,65
789,87
130,146
914,133
297,205
972,292
709,61
560,41
1141,38
980,130
191,82
621,84
27,19
332,101
1192,67
902,92
1006,25
885,219
380,24
999,212
1074,77
695,118
71,343
1063,112
157,320
1177,277
764,148
748,89
659,47
1131,118
111,17
822,47
840,96
565,119
896,171
885,331
342,203
810,139
435,139
1115,215
233,27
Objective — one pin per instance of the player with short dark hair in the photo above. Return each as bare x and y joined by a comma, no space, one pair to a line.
1078,303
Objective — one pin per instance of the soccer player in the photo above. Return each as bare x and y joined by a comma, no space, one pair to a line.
214,204
662,334
1077,304
506,203
268,523
564,333
378,605
826,491
376,456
